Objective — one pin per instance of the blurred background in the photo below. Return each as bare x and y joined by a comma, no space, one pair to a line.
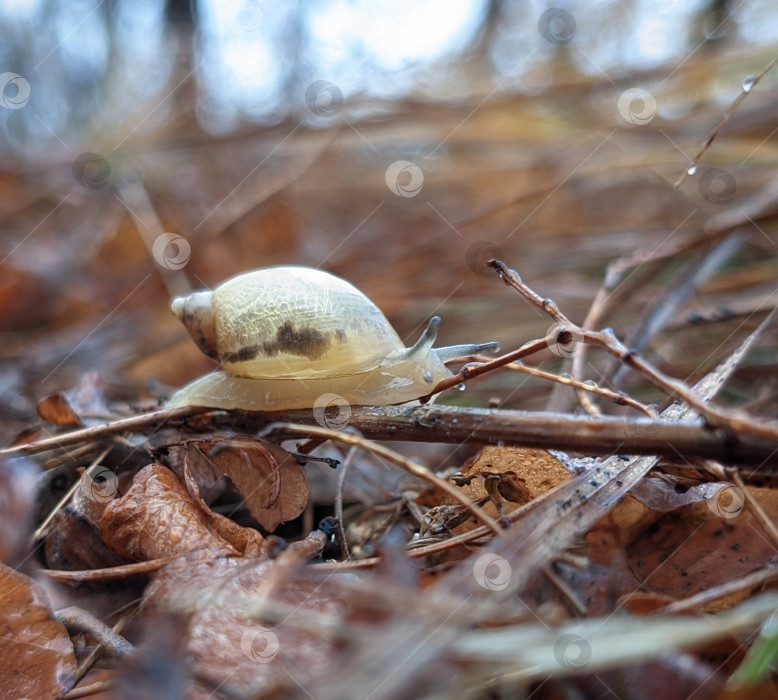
152,148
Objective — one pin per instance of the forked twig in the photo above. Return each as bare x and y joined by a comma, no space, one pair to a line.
736,421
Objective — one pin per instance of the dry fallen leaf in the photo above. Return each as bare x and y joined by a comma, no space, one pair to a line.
272,483
96,489
74,544
36,654
520,476
158,518
56,409
687,550
694,548
227,645
248,541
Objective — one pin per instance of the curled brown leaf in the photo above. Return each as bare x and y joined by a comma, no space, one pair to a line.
158,518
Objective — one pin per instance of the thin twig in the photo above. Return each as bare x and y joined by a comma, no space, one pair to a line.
339,502
745,92
414,468
108,573
153,419
92,689
619,397
43,528
80,620
472,371
108,639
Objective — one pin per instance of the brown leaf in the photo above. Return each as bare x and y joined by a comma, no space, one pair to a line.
74,544
56,409
37,658
690,549
524,474
272,483
189,458
158,518
26,436
248,541
225,640
512,488
94,492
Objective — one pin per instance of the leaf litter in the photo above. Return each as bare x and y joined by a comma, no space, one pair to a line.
194,555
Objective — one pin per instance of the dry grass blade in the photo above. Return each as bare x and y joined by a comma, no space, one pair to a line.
532,651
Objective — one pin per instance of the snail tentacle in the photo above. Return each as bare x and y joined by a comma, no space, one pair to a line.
453,351
421,348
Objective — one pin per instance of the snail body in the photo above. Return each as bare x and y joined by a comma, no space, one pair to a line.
286,336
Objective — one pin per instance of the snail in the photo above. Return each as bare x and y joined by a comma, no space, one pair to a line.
286,336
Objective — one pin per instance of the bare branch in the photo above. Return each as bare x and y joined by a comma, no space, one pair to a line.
602,435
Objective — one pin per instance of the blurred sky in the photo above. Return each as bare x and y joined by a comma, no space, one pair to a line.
89,64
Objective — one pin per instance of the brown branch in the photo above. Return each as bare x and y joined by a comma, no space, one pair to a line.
107,574
735,421
471,371
603,435
84,691
80,620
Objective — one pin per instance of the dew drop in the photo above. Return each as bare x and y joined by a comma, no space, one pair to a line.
500,443
590,384
461,386
691,170
749,82
566,376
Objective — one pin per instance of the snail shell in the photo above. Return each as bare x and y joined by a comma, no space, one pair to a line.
286,336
